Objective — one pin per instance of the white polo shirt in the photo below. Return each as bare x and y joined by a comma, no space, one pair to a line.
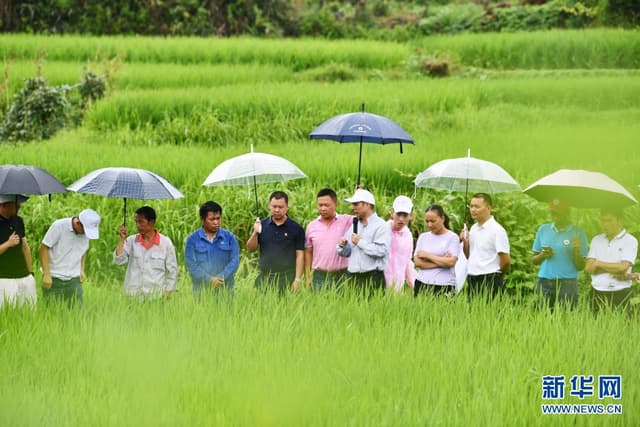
485,242
66,249
623,247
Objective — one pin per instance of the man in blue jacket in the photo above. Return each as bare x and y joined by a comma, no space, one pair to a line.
212,253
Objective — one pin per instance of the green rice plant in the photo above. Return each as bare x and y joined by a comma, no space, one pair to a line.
556,49
295,54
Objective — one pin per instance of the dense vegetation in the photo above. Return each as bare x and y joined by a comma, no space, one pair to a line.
388,19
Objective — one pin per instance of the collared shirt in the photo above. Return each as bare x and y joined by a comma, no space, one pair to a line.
207,259
560,265
66,249
149,271
486,241
438,245
372,251
400,269
13,265
278,245
323,238
623,247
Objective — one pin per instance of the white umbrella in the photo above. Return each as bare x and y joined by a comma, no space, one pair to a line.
581,189
126,183
253,168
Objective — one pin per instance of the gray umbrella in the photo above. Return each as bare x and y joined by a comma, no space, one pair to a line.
127,183
20,179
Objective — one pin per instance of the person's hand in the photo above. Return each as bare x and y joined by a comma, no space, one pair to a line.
342,242
47,281
257,226
464,235
547,252
13,240
355,238
122,232
83,277
295,286
634,276
216,282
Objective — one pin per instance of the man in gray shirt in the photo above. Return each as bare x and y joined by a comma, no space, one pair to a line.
367,245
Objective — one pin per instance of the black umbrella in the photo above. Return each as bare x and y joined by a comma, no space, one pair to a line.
20,179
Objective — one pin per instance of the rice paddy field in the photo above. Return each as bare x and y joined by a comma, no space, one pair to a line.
533,103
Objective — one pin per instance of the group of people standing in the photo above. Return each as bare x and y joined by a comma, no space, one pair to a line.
359,252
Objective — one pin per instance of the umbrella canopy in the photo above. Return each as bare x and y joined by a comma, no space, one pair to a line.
581,189
361,127
252,168
467,174
126,183
19,179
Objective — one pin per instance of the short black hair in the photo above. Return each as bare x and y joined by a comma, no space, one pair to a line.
147,212
485,197
209,206
279,195
328,192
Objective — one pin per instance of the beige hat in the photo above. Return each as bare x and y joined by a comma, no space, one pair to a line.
402,204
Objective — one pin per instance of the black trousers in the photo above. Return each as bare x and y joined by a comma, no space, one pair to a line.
280,280
367,283
425,288
489,285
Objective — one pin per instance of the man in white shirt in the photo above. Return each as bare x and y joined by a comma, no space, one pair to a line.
609,262
62,256
152,269
486,247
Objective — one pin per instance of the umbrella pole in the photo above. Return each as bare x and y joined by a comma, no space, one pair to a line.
124,212
255,191
359,163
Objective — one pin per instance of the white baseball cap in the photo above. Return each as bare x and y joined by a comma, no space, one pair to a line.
402,204
361,196
8,198
90,222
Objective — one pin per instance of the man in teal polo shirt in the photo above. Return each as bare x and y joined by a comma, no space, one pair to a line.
560,249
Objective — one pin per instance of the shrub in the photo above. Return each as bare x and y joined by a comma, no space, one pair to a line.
37,111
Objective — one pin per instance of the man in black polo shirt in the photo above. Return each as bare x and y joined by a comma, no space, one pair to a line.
17,284
281,242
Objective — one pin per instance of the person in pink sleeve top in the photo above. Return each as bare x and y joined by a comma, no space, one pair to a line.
400,268
323,266
436,255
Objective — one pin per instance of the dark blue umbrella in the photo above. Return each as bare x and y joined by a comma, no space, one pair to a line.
19,179
127,183
361,127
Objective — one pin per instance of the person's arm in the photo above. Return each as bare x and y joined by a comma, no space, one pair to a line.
593,266
252,243
505,261
13,240
83,275
299,269
308,258
122,232
539,257
26,251
171,268
464,238
379,247
43,253
578,258
197,274
232,266
445,261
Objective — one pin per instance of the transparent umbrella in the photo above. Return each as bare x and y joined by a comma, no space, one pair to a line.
253,168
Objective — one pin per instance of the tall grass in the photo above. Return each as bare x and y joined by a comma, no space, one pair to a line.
601,48
296,54
305,360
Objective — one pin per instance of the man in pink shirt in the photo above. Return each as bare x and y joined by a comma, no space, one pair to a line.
400,268
322,236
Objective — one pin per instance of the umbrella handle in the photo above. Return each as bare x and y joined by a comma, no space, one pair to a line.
124,212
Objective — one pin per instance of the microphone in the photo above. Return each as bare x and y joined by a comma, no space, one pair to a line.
355,225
